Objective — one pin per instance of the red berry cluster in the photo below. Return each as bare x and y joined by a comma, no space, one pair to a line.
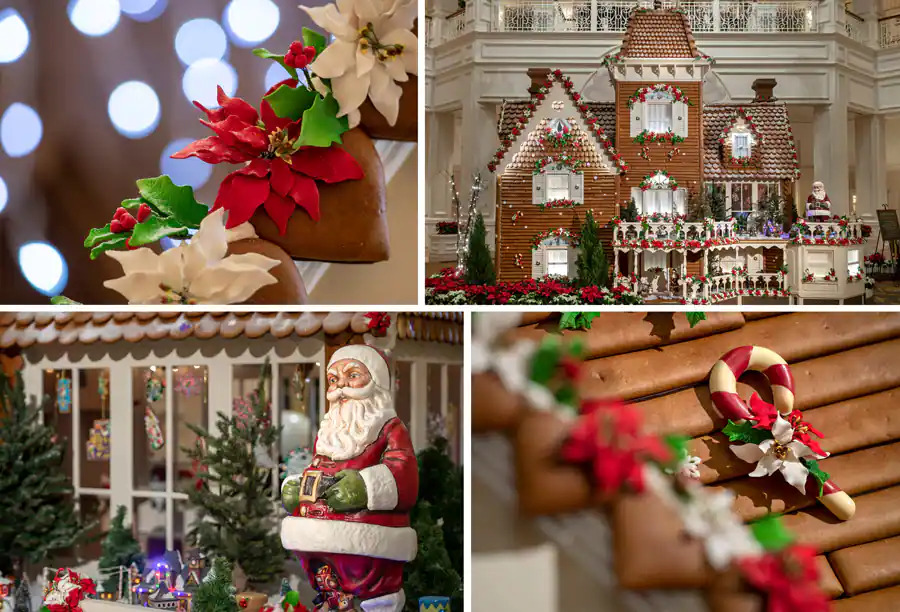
299,56
124,221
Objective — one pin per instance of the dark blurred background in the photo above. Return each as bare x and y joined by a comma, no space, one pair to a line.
95,94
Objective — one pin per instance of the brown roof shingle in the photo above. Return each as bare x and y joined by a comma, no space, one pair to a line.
658,34
605,112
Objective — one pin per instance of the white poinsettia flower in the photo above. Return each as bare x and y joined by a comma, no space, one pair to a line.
780,454
198,271
708,516
373,49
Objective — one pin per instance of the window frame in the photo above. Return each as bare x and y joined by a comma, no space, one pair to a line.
734,148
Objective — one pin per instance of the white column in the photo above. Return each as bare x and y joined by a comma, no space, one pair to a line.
830,148
871,174
33,381
479,141
418,413
121,438
438,168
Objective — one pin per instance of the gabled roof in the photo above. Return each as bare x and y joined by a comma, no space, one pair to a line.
777,151
510,111
658,34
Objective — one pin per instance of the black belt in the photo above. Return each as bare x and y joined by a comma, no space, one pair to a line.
314,484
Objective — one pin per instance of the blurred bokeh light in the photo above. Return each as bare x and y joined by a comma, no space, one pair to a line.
94,17
20,130
192,171
250,22
44,267
202,78
14,36
4,194
143,10
134,109
199,39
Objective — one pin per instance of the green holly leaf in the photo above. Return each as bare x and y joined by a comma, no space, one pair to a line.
311,38
821,476
321,126
171,200
678,446
61,300
266,54
154,228
567,396
291,102
576,349
116,243
132,204
98,235
695,317
744,432
545,361
577,320
771,533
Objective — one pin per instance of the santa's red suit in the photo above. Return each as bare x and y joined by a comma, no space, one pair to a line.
365,549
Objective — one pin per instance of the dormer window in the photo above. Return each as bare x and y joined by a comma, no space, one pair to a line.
658,116
559,126
740,145
655,109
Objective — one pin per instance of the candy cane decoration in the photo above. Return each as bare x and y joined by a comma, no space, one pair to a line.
723,392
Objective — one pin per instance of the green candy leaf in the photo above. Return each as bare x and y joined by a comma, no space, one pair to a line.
61,300
116,243
744,432
771,533
678,446
544,362
576,349
292,598
153,228
311,38
320,126
695,317
577,320
98,235
291,102
266,54
567,396
821,476
132,204
171,200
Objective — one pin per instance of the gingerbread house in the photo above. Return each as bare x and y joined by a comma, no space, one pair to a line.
641,162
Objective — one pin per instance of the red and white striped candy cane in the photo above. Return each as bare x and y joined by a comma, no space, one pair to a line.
723,392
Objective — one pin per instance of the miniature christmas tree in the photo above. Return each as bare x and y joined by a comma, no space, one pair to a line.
22,595
438,520
236,519
593,269
38,514
120,549
716,198
479,263
215,593
630,213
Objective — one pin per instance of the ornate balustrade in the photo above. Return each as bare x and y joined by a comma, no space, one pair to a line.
889,32
855,26
668,234
735,284
837,233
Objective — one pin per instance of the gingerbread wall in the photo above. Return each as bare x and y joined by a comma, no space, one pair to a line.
686,168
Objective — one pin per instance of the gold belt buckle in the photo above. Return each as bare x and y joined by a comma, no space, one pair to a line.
309,485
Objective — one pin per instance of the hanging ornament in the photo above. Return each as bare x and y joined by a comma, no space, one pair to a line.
241,409
188,382
198,464
154,388
153,429
64,394
98,441
103,386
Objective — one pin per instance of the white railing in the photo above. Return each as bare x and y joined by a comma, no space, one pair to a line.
736,284
456,24
671,234
831,230
612,15
855,26
438,30
889,32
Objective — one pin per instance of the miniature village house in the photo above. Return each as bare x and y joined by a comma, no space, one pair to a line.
642,161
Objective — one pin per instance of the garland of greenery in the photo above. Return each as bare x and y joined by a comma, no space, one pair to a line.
570,235
559,203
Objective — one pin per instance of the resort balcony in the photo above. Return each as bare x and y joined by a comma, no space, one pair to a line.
662,232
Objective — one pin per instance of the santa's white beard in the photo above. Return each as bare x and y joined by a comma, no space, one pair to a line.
351,426
819,195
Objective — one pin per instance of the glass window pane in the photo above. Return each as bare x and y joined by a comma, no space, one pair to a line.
93,508
184,516
190,405
659,116
149,520
298,389
433,389
557,256
93,441
557,186
454,412
149,427
558,269
403,391
58,410
741,145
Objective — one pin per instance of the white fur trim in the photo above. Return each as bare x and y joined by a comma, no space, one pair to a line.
392,602
381,487
349,538
369,357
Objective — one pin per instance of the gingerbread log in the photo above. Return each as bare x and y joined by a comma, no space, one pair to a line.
723,392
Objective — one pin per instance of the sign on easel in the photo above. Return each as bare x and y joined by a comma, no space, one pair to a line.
888,224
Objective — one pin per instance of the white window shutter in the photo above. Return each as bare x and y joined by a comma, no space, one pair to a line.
537,263
572,260
680,119
576,187
538,185
637,119
680,196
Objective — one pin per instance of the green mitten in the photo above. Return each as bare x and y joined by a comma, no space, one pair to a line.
290,495
348,493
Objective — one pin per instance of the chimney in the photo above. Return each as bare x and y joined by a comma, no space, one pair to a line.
539,77
764,89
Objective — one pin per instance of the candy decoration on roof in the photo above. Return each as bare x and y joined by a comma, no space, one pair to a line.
775,437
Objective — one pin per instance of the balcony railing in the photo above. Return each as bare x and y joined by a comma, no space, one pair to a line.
855,26
612,15
666,234
889,32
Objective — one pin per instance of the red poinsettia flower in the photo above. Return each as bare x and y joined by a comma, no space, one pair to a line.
789,577
379,322
608,436
802,429
274,175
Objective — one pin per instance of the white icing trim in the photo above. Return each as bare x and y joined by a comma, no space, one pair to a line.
392,602
348,538
381,487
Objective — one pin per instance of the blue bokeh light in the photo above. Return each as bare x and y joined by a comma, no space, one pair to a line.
4,194
134,109
143,10
21,130
250,22
202,78
199,39
14,36
44,267
94,17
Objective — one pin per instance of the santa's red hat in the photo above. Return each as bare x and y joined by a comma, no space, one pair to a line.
375,361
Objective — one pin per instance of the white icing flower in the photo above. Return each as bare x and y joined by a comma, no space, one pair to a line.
373,48
781,454
689,467
195,272
709,517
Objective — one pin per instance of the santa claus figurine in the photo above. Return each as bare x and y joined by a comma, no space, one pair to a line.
349,510
818,206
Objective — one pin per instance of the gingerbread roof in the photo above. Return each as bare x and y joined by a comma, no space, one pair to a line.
847,386
587,151
777,151
605,112
27,328
658,34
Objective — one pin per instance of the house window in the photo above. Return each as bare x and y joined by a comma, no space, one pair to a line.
852,263
741,198
557,186
740,145
653,260
559,125
558,262
657,201
659,116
